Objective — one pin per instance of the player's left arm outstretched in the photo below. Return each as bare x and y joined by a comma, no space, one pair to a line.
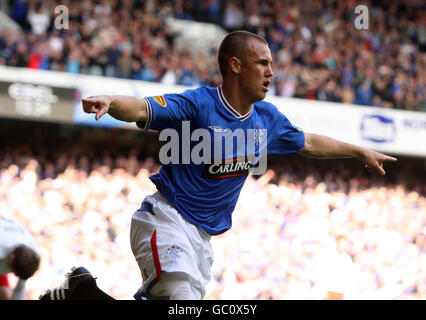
322,147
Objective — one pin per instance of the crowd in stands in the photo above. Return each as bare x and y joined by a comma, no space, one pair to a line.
307,229
318,53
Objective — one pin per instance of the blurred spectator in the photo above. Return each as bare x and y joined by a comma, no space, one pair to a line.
330,92
38,17
307,229
233,18
124,64
317,51
364,94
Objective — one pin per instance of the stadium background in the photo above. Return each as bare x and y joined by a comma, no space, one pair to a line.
307,229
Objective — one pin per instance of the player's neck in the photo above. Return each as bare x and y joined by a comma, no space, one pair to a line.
236,99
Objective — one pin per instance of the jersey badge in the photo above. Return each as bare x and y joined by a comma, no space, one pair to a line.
259,135
160,100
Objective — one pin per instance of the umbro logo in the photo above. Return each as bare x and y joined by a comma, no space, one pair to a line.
218,129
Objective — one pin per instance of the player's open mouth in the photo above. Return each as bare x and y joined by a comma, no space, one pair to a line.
266,85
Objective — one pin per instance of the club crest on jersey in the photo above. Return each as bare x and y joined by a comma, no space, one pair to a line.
259,136
160,100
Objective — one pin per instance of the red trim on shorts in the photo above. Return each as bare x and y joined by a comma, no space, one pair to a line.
4,280
155,254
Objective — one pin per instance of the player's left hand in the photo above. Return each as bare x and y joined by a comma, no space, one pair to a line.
373,161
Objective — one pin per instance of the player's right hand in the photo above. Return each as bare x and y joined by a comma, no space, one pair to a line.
96,104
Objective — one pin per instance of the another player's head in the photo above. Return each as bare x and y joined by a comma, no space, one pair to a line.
24,262
245,57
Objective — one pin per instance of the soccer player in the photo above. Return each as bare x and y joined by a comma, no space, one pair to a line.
19,255
170,233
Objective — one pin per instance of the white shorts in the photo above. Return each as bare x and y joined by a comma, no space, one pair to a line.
163,241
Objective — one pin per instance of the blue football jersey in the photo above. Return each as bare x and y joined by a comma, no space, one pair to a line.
206,193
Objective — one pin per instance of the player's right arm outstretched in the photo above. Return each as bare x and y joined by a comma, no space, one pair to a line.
124,108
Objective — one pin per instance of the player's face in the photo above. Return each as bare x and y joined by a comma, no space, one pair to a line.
256,72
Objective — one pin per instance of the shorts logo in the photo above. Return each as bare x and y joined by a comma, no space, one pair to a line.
160,100
174,252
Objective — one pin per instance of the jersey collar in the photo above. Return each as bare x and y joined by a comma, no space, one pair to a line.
228,107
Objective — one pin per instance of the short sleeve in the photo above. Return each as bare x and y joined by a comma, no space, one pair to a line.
169,110
285,137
